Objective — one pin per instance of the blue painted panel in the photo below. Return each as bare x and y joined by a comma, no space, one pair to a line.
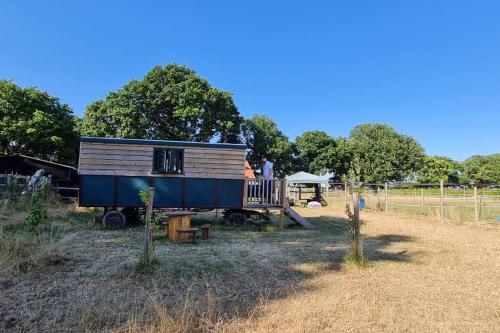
97,190
168,191
229,193
129,188
200,193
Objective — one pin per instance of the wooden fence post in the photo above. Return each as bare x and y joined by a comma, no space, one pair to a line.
378,197
441,200
422,202
386,190
148,232
476,208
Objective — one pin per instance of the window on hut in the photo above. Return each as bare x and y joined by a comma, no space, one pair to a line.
167,160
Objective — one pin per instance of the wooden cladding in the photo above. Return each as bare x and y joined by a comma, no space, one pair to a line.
137,160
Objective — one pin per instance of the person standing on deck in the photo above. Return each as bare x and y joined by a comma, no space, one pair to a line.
267,173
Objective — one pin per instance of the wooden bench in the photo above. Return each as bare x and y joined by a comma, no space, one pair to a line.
189,231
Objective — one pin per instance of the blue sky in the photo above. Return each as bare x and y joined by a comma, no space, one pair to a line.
431,69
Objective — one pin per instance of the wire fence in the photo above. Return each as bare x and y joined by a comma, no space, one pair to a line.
444,201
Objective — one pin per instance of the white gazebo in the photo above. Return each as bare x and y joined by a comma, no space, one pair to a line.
303,177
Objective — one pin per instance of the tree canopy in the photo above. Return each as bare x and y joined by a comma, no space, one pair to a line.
312,148
480,169
318,153
382,154
263,137
170,102
437,168
34,123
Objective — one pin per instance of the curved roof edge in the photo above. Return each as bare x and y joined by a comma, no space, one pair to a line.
162,142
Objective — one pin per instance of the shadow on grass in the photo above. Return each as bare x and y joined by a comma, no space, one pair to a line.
239,268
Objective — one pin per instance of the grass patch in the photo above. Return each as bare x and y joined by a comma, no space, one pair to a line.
22,251
355,261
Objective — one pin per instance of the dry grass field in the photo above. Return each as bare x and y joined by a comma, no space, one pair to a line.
422,276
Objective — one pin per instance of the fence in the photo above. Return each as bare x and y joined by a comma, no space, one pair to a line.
445,201
13,186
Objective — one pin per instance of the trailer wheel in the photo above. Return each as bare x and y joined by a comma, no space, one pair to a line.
114,219
131,215
237,219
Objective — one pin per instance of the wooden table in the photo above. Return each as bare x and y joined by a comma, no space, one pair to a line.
178,220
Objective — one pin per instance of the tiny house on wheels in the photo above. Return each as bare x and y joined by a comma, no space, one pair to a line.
185,175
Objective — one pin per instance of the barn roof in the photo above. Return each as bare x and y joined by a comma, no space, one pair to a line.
163,142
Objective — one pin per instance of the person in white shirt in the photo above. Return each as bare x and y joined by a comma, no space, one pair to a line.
267,173
267,168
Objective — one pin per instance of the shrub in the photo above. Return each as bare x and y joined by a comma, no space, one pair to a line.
37,214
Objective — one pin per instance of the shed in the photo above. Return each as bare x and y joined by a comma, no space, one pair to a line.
62,175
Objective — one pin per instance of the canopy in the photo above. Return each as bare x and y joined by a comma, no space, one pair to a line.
307,178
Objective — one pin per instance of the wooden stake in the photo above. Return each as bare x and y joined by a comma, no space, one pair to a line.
378,196
386,190
357,251
148,232
422,202
282,218
346,193
476,206
441,201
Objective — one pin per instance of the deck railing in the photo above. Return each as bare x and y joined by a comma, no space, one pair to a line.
260,193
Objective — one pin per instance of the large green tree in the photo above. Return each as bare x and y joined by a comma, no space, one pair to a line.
381,154
263,137
312,146
170,102
437,168
36,124
318,152
481,169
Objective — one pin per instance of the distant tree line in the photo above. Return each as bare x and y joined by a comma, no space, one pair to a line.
173,102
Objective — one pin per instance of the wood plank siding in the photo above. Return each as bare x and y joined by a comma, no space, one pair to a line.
97,158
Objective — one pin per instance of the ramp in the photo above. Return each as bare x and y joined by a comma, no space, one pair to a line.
297,218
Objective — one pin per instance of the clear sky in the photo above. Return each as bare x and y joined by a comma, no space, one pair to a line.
431,69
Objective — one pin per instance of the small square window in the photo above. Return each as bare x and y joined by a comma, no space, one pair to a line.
166,160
